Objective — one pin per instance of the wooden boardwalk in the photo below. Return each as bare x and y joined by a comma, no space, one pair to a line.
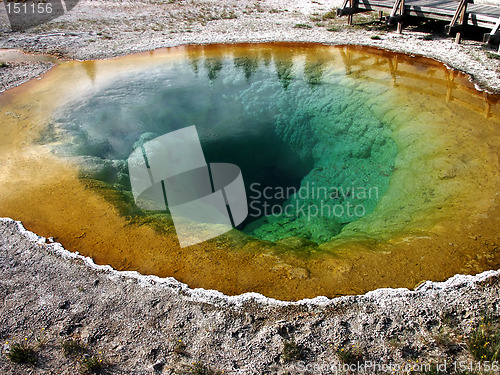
460,14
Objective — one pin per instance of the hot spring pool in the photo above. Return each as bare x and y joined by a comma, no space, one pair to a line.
362,168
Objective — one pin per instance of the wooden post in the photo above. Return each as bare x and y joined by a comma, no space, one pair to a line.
397,14
401,11
458,37
462,13
350,16
494,35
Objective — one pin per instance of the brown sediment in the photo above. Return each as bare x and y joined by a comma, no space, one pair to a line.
439,217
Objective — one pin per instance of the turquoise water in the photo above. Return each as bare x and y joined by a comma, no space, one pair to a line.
313,157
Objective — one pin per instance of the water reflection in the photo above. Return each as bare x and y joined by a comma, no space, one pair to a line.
284,71
90,69
248,65
416,74
313,70
213,66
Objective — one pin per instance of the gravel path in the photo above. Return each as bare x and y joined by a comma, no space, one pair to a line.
144,325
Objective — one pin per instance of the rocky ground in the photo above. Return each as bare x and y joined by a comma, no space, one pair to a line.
74,317
71,312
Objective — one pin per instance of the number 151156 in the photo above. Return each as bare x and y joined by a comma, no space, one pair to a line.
39,8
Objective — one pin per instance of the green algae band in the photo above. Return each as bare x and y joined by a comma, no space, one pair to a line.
362,168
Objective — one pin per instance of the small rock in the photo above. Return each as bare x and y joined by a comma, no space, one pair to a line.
158,367
69,329
64,305
153,353
97,334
